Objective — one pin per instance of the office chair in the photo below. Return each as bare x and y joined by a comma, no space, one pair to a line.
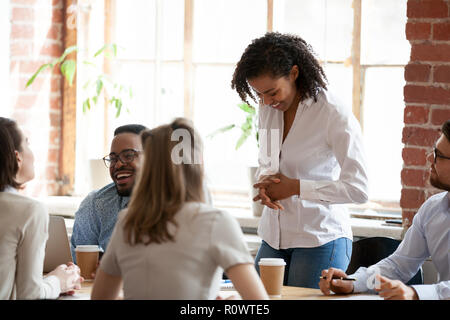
368,251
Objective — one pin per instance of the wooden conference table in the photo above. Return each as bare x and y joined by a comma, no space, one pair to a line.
287,293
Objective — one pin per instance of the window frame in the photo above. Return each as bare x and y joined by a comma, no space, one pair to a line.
189,66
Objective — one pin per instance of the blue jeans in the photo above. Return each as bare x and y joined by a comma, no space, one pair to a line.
304,265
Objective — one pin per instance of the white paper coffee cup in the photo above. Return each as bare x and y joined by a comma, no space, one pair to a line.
87,259
271,271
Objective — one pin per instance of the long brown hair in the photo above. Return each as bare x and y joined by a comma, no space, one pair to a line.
162,185
10,141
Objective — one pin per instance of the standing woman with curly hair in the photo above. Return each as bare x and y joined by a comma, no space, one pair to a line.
311,158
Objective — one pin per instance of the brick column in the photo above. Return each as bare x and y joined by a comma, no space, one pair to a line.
426,95
36,38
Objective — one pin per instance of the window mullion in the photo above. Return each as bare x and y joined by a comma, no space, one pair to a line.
356,60
109,24
188,57
69,117
157,74
269,15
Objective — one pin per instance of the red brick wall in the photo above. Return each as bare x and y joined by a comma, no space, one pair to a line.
427,96
36,38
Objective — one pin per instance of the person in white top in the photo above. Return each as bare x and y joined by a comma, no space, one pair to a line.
311,158
24,227
169,243
428,236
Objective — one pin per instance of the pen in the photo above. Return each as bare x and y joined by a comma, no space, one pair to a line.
339,278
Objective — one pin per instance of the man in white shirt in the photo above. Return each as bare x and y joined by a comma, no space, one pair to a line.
429,235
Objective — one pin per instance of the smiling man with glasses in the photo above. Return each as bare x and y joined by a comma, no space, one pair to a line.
122,167
97,214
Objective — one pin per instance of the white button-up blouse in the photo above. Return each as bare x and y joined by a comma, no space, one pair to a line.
324,150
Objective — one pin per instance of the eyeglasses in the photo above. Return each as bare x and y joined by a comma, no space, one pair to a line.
438,155
126,156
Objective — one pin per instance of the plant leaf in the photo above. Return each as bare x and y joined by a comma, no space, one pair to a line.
52,64
242,139
118,107
65,54
68,68
99,86
112,46
86,85
221,130
246,127
86,105
41,68
88,63
247,108
100,50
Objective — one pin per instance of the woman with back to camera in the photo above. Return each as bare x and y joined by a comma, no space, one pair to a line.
24,227
311,158
170,244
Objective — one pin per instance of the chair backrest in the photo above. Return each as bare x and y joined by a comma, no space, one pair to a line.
368,251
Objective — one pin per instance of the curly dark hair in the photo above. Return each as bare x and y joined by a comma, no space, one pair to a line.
275,54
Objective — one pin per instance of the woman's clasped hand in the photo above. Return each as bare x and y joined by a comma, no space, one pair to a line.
276,187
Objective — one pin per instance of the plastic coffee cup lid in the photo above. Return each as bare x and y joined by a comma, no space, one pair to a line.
271,262
88,248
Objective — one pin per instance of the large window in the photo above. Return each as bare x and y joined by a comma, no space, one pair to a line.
179,55
5,26
384,54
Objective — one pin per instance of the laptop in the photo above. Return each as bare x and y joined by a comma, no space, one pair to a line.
57,250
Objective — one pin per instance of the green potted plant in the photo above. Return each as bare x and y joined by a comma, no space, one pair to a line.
97,84
249,128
